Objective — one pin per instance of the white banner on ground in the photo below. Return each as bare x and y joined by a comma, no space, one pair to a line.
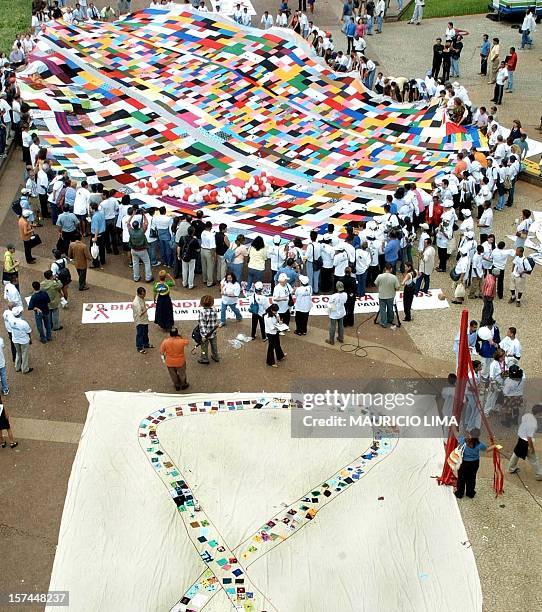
188,309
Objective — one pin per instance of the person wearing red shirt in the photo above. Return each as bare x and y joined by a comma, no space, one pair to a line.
511,62
433,213
172,351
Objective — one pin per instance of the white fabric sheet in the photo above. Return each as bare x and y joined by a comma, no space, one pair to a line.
123,546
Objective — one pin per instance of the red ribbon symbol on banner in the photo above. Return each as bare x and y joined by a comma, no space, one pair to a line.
101,311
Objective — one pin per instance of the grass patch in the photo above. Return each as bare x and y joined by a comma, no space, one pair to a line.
450,8
15,17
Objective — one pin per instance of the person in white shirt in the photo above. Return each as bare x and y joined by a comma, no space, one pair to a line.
423,236
282,296
267,21
340,262
42,181
274,350
363,262
326,271
511,347
202,8
417,15
502,150
528,26
521,268
238,14
481,119
246,19
485,223
500,257
12,295
277,256
313,255
208,254
497,368
500,82
477,273
449,34
462,268
303,305
261,303
81,206
230,290
523,226
467,225
337,312
20,336
524,448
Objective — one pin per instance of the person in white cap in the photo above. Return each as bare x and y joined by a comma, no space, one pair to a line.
258,306
485,222
424,235
277,256
26,232
20,335
340,262
444,235
467,225
12,295
283,298
303,305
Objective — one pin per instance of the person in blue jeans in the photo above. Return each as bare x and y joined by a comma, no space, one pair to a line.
39,303
350,31
230,290
466,475
391,251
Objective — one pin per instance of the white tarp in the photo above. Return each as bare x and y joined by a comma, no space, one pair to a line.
188,310
392,540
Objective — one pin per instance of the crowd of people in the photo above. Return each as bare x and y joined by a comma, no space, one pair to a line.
448,230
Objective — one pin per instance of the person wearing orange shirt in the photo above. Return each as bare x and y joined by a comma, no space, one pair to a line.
172,351
480,157
26,233
460,165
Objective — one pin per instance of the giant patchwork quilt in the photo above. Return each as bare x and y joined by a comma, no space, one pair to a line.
195,99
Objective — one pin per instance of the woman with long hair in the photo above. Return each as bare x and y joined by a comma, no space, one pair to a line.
350,287
257,256
164,308
274,350
409,289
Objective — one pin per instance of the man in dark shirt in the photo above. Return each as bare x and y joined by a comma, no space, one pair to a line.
438,48
457,47
39,303
199,225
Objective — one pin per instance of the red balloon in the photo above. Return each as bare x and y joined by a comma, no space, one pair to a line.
213,193
141,184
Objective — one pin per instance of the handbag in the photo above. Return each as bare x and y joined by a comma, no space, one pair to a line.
455,459
196,335
454,275
35,240
290,299
254,307
94,251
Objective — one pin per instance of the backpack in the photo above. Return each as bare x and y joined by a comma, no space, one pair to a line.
229,255
316,263
185,252
532,263
16,207
63,274
138,240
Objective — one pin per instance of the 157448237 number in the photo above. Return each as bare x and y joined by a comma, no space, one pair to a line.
51,598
